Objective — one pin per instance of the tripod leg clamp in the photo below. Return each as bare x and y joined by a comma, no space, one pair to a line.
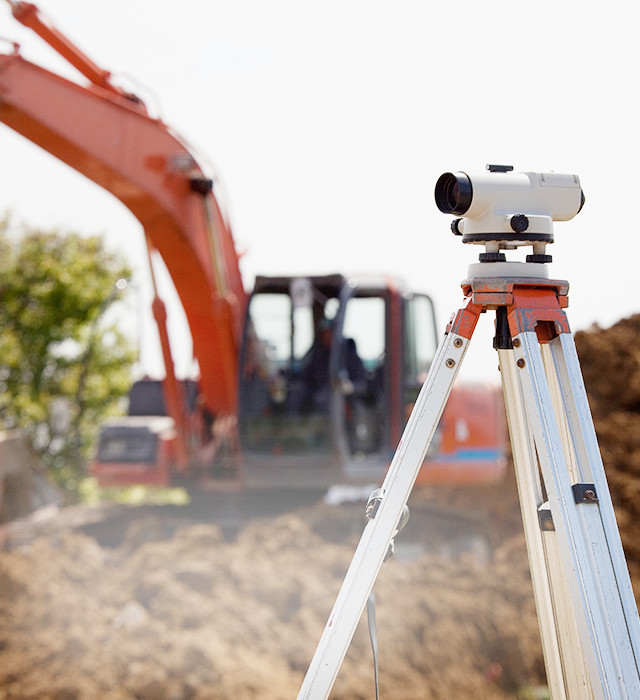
585,493
373,504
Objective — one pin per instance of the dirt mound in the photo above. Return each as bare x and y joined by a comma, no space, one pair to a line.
188,613
198,617
610,360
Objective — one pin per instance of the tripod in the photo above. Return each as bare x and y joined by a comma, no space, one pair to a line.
588,619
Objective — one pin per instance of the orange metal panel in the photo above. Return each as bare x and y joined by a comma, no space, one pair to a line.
144,164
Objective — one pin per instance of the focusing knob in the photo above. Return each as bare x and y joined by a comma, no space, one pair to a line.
455,227
519,223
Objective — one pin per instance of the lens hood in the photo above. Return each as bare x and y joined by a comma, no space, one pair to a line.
453,193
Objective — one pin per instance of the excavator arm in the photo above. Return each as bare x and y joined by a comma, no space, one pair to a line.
107,135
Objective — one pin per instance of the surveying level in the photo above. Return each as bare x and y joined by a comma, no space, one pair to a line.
587,614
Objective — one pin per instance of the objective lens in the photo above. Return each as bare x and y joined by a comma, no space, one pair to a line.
453,193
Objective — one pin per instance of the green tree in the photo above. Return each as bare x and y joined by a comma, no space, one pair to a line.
62,366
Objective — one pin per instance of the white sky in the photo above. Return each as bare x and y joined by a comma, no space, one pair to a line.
329,123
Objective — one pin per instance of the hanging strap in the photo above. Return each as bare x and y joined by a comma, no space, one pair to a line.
370,513
371,620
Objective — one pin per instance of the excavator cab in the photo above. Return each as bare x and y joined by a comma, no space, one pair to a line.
328,368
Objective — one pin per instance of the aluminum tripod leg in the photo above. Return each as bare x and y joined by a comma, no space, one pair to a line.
564,660
379,531
584,558
588,617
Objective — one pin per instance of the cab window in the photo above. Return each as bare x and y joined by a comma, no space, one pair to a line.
420,343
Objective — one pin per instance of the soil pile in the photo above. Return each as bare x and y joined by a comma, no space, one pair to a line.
610,362
195,616
187,613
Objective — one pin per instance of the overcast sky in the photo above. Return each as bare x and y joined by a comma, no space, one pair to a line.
330,122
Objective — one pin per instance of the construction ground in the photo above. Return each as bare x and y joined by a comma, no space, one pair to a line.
166,608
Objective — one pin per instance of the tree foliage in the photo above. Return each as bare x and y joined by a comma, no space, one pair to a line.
63,367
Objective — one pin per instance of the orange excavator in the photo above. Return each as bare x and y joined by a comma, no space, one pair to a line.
305,382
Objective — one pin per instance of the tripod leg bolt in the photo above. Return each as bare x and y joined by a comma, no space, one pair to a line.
521,363
585,493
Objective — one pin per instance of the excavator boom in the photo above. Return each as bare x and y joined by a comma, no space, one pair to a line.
105,134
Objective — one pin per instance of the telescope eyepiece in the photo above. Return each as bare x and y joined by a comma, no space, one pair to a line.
454,193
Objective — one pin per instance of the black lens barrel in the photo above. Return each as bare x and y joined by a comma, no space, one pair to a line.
454,193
